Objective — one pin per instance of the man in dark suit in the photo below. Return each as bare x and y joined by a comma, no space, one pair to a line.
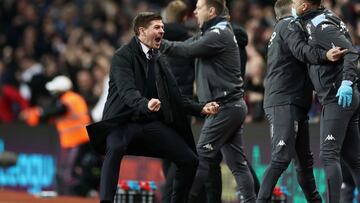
145,113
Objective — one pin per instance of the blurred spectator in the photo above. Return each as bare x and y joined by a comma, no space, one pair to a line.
85,85
28,69
39,94
70,112
101,74
11,102
254,80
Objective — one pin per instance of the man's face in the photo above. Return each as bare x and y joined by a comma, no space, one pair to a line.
201,12
300,6
153,34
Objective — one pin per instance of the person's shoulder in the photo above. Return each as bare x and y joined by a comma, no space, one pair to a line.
321,21
220,31
124,50
176,32
285,22
124,53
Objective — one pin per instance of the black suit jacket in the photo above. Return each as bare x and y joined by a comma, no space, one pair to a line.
126,100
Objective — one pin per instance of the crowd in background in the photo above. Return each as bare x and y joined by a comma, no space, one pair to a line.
40,39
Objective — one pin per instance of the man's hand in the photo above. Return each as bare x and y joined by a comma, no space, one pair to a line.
31,115
154,105
210,108
345,93
335,54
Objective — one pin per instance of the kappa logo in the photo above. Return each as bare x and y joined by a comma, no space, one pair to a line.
329,137
308,28
281,143
208,146
271,39
217,31
323,26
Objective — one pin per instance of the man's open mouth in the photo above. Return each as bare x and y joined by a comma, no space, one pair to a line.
158,39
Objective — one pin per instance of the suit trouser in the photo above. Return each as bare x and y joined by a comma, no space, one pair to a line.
289,140
339,136
161,140
223,132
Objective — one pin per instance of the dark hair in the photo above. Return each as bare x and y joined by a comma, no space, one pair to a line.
282,7
217,4
314,2
143,19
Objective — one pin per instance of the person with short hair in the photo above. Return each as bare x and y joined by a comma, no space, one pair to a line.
288,98
336,87
145,112
218,78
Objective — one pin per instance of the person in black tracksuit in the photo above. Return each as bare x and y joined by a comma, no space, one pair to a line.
348,185
218,78
288,97
333,82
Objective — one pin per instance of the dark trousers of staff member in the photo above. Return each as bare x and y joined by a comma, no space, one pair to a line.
161,140
348,185
223,132
289,141
339,137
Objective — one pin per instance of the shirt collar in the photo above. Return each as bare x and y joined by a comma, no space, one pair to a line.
145,49
208,24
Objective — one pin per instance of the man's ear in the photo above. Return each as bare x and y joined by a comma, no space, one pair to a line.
141,31
212,11
305,7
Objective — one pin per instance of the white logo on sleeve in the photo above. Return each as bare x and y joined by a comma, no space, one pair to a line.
271,39
217,31
308,28
329,137
208,146
281,143
323,26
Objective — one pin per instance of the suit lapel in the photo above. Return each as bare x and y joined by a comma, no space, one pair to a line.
139,55
143,63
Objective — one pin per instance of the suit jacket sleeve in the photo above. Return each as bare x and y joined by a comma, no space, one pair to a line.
299,48
327,36
210,44
122,73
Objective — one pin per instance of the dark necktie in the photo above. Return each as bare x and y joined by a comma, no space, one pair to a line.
151,82
154,92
